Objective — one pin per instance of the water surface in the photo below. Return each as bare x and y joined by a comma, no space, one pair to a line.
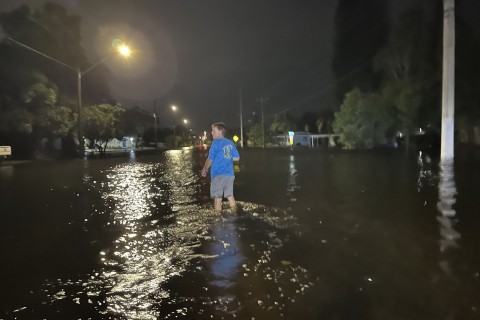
319,235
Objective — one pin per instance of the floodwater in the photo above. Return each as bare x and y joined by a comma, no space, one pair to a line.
319,234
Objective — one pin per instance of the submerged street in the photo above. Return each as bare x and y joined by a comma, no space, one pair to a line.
320,234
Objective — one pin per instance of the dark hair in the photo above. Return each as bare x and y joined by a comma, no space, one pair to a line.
220,126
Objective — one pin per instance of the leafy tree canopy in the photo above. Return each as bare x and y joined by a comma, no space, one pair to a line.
255,134
362,120
55,32
408,78
37,95
101,122
406,69
36,111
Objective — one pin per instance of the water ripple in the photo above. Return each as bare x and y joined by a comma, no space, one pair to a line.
163,232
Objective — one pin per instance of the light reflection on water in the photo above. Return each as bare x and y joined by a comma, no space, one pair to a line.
379,238
447,220
292,178
135,266
425,175
163,232
147,253
445,181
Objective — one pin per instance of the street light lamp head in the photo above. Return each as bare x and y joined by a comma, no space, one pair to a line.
185,121
124,50
174,108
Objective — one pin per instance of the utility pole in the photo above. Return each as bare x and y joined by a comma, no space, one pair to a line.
262,100
81,142
155,121
448,81
241,116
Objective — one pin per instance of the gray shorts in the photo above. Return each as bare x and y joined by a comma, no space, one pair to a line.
221,186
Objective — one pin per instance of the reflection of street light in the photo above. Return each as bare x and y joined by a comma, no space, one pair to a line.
123,50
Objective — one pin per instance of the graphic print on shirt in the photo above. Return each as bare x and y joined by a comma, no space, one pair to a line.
227,151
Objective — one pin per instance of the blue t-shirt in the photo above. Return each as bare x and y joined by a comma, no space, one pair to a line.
222,153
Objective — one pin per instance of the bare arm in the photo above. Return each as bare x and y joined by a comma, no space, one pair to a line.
206,166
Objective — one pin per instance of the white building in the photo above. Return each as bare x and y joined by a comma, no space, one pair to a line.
307,139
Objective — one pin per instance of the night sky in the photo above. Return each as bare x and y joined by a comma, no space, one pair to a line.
196,54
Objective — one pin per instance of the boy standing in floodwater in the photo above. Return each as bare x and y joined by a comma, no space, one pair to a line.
221,156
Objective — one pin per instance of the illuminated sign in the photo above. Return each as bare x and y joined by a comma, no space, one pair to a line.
290,137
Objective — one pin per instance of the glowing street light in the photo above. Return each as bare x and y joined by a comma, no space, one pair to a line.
185,121
121,49
124,50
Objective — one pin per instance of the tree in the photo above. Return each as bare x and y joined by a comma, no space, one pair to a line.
324,121
307,121
255,134
38,96
282,123
52,30
135,121
50,119
101,123
406,69
31,112
363,120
